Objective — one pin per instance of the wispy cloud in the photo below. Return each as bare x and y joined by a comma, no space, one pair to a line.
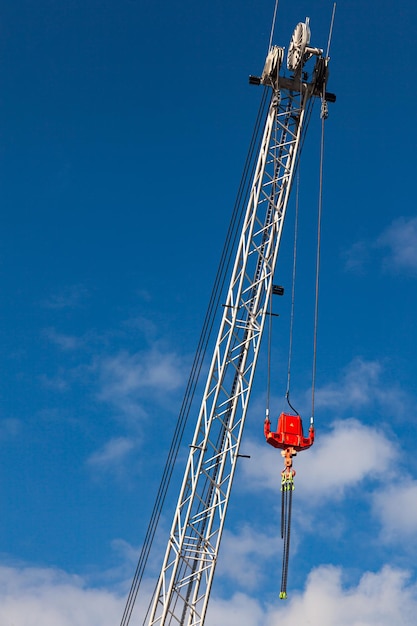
64,342
114,452
400,238
129,384
353,453
125,378
396,508
397,243
34,596
69,297
144,325
240,610
60,382
244,555
357,256
361,384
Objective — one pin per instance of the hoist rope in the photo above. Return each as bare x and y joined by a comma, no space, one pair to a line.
286,508
320,206
273,25
330,31
207,487
316,303
213,307
248,176
294,271
309,110
268,374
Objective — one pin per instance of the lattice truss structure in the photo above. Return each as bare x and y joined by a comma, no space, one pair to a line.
183,588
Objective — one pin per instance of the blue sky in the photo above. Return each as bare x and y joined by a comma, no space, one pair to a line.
124,130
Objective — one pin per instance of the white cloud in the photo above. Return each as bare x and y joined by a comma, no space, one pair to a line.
118,577
361,385
56,383
401,240
126,377
396,508
65,342
36,596
340,459
112,453
144,325
241,610
398,243
127,382
48,597
243,556
357,256
68,298
349,454
379,599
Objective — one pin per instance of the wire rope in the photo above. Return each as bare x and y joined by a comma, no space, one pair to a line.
268,374
249,171
320,207
309,110
273,25
330,31
294,272
197,364
316,303
286,537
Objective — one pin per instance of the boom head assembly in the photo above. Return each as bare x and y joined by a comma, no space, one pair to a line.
299,53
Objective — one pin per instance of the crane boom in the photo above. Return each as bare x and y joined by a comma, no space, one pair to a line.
183,589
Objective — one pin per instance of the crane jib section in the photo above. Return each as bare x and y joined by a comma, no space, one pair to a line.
183,588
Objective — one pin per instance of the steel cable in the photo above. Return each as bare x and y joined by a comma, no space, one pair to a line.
284,532
286,555
196,366
316,304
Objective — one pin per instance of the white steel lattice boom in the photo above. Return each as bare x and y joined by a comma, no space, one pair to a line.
184,584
